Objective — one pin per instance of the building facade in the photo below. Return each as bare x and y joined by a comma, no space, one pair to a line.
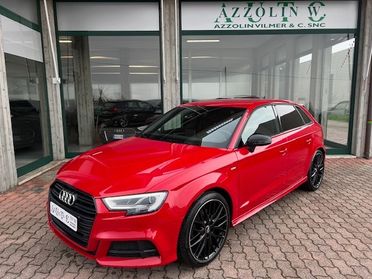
77,74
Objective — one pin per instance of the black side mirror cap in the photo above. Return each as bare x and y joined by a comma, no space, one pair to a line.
257,140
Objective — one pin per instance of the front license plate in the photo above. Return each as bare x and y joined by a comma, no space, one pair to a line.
118,137
63,216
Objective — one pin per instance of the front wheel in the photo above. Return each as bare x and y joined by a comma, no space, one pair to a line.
316,172
204,230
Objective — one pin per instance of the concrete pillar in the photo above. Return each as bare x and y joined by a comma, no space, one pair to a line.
170,41
290,71
316,78
54,95
8,174
369,127
83,90
361,132
125,82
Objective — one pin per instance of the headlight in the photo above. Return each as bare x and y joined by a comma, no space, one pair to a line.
136,204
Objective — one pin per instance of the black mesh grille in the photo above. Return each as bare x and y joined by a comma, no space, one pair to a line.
132,249
83,209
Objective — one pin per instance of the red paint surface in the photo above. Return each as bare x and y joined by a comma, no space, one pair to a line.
139,165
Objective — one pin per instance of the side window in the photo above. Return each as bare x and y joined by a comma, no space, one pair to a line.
304,115
289,117
132,104
144,105
262,121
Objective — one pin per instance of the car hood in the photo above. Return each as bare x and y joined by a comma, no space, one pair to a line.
136,165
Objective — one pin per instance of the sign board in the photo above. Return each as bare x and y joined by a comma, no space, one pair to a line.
21,40
269,15
108,16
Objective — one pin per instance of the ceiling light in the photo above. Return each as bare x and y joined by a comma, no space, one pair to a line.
67,56
106,73
139,73
142,66
200,57
106,66
65,41
204,41
98,57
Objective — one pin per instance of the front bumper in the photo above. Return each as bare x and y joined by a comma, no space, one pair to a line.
161,228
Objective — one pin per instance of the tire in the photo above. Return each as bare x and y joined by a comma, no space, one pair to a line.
316,172
204,230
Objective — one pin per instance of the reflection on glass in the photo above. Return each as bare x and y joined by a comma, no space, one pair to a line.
26,89
340,78
111,87
314,70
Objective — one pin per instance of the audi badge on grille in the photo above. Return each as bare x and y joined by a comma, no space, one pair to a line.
67,197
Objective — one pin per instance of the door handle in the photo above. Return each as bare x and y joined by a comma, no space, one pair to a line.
283,151
308,141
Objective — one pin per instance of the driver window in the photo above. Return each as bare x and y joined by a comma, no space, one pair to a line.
262,121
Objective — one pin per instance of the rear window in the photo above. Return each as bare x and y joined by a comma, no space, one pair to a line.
304,116
289,117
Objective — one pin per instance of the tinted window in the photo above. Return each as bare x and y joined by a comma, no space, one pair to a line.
203,126
289,117
262,121
304,115
144,105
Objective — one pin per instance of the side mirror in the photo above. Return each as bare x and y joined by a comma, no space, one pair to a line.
257,140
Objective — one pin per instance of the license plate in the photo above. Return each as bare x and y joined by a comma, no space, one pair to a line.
63,216
118,137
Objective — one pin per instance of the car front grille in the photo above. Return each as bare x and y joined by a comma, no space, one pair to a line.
83,209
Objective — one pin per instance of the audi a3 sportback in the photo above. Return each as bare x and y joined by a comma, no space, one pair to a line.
173,191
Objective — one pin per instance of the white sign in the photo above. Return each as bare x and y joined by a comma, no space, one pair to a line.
108,16
21,40
269,15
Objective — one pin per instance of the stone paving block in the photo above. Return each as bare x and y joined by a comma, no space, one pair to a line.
323,234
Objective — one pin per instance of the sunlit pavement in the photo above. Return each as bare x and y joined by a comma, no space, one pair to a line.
326,234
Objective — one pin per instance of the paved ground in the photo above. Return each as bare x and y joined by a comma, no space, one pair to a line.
327,234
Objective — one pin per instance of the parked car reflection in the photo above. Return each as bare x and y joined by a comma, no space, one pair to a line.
25,124
340,112
128,113
121,119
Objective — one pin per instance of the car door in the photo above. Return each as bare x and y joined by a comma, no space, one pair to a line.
299,136
263,171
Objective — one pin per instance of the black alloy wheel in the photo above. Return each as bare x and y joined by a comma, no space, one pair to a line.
205,230
316,172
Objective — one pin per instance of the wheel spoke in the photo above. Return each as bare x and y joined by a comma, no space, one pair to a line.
195,237
201,248
217,215
196,242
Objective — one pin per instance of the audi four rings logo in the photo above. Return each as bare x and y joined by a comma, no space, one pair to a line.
67,197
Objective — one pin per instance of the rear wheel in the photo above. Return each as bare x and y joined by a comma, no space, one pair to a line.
204,231
316,172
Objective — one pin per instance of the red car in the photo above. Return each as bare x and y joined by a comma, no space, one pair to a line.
173,191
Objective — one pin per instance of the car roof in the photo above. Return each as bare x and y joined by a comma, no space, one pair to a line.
240,103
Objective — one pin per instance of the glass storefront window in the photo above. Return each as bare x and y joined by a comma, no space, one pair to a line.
311,69
28,107
111,87
25,8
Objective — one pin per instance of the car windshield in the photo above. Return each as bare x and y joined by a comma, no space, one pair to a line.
197,125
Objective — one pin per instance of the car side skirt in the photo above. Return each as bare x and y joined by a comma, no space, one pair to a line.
268,202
